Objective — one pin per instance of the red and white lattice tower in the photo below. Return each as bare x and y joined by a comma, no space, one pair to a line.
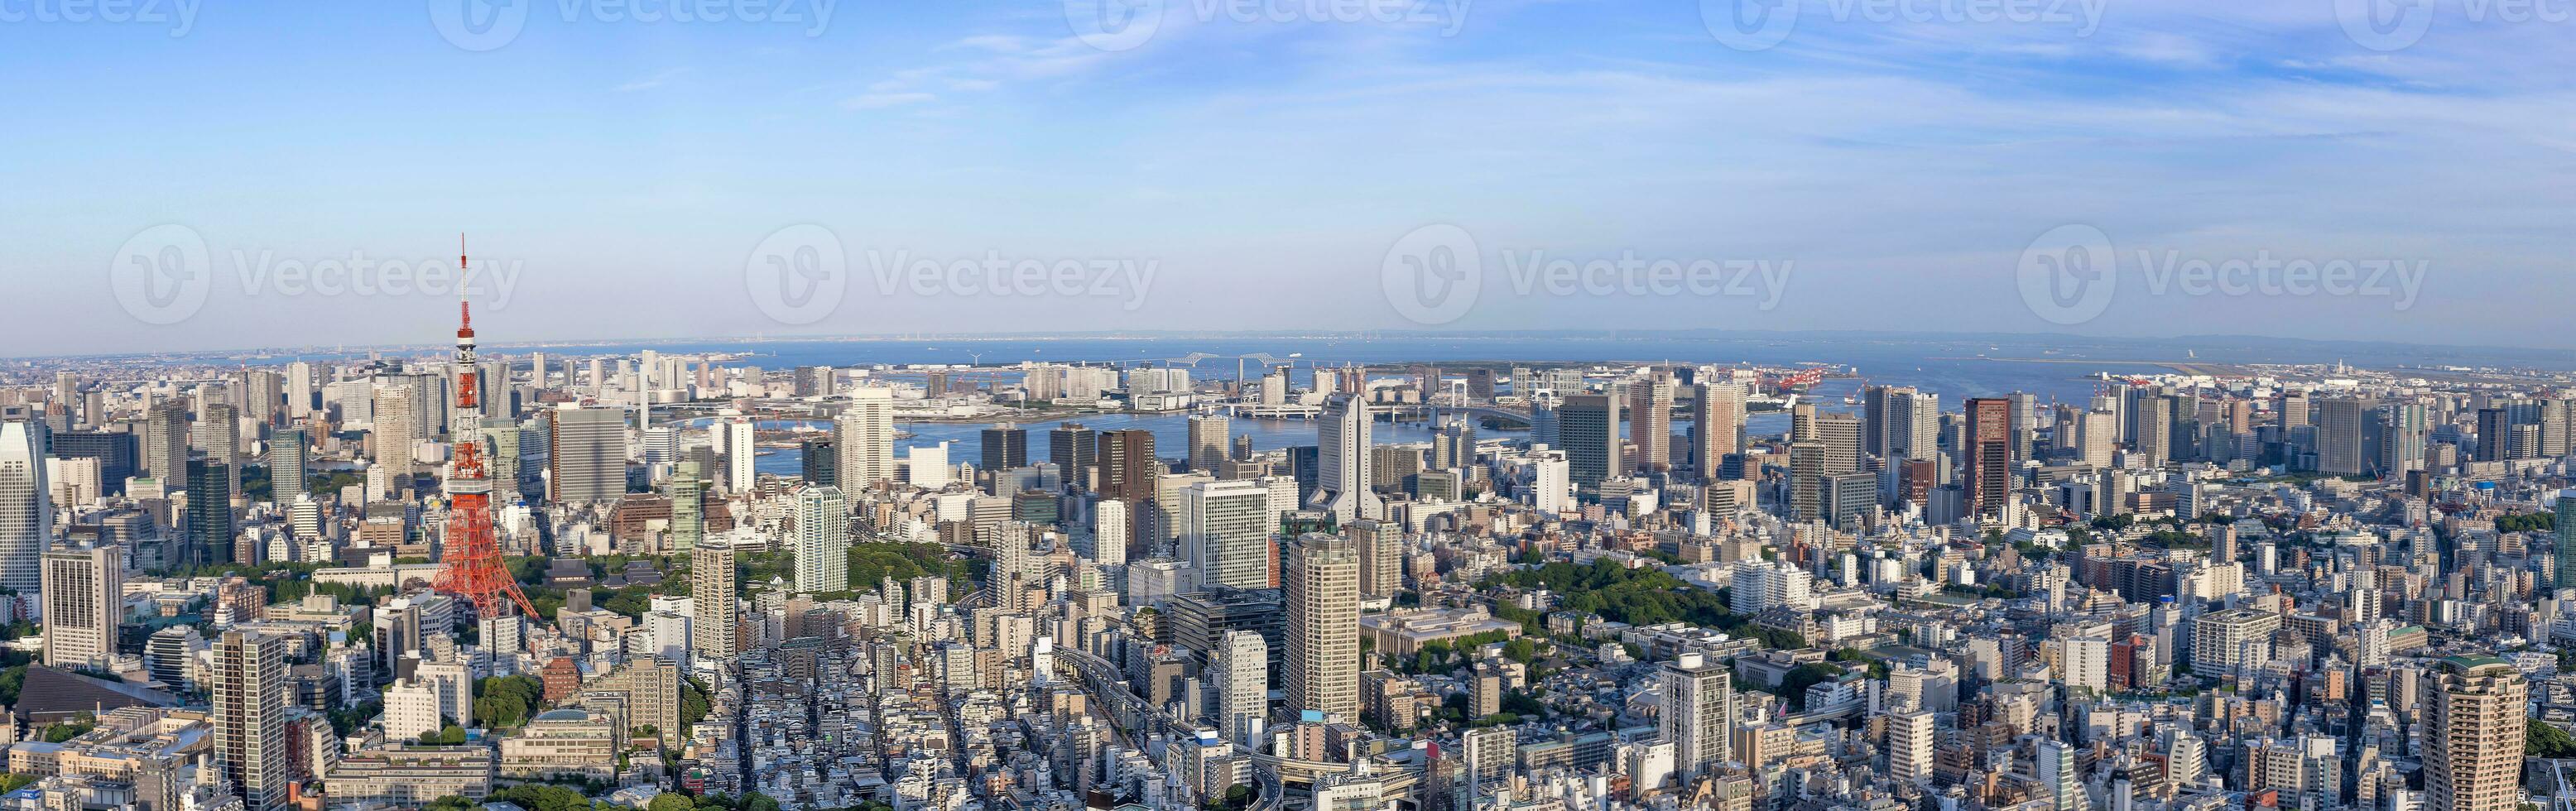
471,564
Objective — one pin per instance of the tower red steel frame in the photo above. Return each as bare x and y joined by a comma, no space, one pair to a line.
471,560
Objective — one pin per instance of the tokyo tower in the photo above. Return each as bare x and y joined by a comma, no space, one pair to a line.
471,562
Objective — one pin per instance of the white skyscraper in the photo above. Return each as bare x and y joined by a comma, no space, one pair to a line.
1109,533
26,506
1225,532
2058,778
1910,738
1551,482
741,450
1243,691
866,438
928,467
84,602
822,540
1342,462
299,390
2088,665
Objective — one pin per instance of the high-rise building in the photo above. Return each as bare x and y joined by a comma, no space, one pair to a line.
688,493
1129,473
2339,437
250,717
286,458
26,505
84,597
1342,439
1209,435
1874,404
814,381
822,541
2473,732
2224,640
1071,447
221,435
1109,534
1698,715
1454,445
865,438
2098,437
395,430
119,454
742,453
927,467
298,390
1651,406
1912,431
1910,742
165,443
1225,532
2566,529
2060,780
711,597
2404,429
1986,451
1551,482
2495,434
1243,688
209,514
588,458
822,458
1588,425
1381,557
1321,585
1006,447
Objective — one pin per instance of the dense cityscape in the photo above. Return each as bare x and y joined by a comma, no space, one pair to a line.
445,580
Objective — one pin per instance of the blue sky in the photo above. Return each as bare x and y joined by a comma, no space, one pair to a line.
628,177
